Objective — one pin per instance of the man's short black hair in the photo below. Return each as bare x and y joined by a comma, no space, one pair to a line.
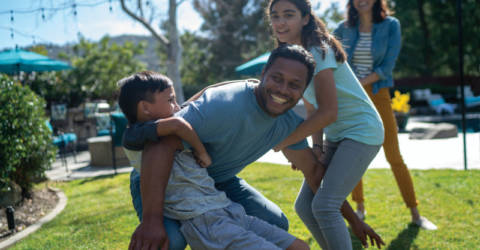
293,52
140,87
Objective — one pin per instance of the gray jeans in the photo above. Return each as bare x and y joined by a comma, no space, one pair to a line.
346,163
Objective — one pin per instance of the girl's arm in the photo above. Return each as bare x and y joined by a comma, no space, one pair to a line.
385,69
371,78
317,137
326,95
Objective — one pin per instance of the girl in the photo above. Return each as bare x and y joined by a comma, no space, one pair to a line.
335,102
372,40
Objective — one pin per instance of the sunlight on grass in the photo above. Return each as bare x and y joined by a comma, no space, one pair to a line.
99,214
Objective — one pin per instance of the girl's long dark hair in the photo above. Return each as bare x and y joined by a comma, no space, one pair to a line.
315,32
380,11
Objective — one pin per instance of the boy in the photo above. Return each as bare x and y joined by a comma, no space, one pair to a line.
209,219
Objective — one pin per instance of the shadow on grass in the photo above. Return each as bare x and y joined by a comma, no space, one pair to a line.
404,239
96,178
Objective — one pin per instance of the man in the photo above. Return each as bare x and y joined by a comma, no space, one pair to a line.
237,122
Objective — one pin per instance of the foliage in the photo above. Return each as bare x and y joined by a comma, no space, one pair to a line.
236,31
26,148
100,215
98,67
400,102
430,38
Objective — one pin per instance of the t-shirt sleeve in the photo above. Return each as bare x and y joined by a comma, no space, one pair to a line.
323,63
136,135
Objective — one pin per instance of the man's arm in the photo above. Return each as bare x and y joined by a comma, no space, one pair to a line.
361,229
305,160
157,162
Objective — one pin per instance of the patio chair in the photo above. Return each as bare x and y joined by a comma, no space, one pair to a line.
119,124
438,104
471,100
64,141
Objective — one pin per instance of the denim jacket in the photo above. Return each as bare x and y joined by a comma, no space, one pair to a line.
386,42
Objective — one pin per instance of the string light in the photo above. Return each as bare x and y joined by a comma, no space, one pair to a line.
74,7
110,6
23,34
11,16
43,14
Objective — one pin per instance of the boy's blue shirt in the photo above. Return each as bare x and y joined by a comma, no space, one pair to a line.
386,43
231,125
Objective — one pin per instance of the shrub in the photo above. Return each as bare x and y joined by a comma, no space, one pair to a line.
26,148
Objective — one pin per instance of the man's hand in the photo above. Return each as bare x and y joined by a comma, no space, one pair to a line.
363,231
149,236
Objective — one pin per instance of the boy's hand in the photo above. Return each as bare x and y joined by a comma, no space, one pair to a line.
203,159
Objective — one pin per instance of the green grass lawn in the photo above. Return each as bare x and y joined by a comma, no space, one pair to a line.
99,214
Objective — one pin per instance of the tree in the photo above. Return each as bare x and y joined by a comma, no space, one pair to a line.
97,68
173,45
430,37
237,32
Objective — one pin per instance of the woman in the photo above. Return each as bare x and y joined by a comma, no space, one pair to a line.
372,41
335,102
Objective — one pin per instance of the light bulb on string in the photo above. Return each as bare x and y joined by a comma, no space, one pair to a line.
11,16
74,7
110,6
43,14
11,33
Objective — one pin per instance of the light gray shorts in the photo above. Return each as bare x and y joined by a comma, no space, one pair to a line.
232,228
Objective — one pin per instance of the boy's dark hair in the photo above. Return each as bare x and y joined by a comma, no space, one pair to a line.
293,52
140,87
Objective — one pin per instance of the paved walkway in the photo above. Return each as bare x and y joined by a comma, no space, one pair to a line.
418,154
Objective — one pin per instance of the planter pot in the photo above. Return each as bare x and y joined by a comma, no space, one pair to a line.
402,120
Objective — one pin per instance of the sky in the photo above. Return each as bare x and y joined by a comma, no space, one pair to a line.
93,20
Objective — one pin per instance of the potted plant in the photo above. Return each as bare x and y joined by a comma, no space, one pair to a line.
401,109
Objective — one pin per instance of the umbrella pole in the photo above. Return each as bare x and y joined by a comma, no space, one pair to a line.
462,83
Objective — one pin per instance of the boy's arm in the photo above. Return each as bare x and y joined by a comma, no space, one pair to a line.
181,128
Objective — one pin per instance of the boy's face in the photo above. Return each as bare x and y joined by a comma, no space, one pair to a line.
164,104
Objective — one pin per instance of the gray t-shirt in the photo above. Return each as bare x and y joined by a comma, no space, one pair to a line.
190,191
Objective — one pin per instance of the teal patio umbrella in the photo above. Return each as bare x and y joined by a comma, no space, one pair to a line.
253,67
16,60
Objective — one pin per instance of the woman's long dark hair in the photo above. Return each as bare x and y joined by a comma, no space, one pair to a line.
380,11
315,32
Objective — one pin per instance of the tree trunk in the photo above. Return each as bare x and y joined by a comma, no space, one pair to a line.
427,48
174,51
174,48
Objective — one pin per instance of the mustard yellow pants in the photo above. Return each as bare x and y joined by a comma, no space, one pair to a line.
382,101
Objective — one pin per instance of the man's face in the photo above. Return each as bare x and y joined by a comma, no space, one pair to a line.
282,86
